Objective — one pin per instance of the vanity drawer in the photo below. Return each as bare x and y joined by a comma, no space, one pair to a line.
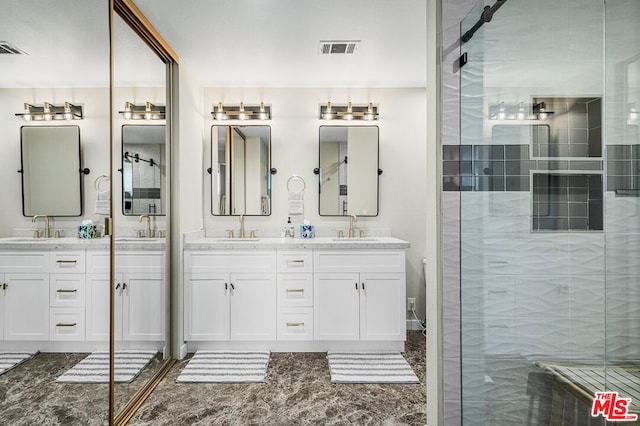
66,324
295,290
295,324
66,290
250,261
295,261
68,262
373,260
27,261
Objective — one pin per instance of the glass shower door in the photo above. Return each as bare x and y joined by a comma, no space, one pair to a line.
529,171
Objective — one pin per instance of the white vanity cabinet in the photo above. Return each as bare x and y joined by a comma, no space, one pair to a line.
359,295
24,296
139,289
230,295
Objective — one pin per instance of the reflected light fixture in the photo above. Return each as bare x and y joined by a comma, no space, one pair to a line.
48,112
540,111
348,112
148,111
241,112
633,112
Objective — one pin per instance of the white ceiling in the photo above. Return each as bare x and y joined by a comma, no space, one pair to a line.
239,43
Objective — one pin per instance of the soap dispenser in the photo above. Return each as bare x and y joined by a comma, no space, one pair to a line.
288,229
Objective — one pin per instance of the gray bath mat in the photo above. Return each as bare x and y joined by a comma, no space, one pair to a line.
226,367
370,367
9,360
95,367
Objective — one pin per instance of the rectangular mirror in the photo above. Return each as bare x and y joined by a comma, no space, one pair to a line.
348,170
143,170
51,178
241,170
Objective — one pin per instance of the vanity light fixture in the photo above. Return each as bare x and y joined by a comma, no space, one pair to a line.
241,112
48,112
348,112
148,111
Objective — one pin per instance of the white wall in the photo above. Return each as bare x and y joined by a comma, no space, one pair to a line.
94,140
294,136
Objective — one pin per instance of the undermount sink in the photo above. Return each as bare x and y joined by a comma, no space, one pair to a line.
354,239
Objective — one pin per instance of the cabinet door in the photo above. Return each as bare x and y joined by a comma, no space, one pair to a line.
382,306
97,290
206,311
143,307
26,307
335,298
253,307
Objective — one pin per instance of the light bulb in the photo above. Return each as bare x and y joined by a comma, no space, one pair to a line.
147,111
46,111
27,112
501,112
127,110
520,115
263,113
633,112
67,111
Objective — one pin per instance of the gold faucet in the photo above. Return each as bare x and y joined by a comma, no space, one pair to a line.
47,231
352,219
242,233
148,232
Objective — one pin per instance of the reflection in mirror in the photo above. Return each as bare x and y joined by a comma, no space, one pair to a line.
241,170
51,178
140,285
143,170
348,170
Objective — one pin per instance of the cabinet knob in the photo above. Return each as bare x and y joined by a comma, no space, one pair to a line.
4,286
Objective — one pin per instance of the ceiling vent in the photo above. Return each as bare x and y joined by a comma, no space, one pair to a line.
338,47
8,49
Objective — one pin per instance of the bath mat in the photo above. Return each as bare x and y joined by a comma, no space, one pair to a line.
370,367
226,367
95,367
10,360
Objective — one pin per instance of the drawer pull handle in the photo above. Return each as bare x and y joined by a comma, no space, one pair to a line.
295,290
124,286
363,286
232,286
356,286
295,262
4,286
66,261
118,286
66,291
226,286
61,324
295,324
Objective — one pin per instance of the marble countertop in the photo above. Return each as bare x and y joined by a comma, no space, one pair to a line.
221,243
124,243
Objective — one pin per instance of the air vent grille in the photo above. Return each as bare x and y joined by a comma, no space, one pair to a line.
339,47
9,49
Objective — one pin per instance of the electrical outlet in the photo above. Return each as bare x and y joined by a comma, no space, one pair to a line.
411,304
